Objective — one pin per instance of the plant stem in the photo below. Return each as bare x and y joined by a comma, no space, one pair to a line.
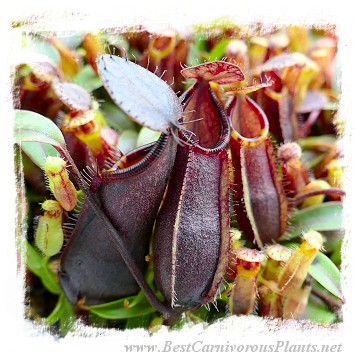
329,300
327,191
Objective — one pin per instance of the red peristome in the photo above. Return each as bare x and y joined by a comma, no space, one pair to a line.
219,72
247,265
86,128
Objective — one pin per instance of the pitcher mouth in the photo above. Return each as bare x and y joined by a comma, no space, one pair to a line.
251,141
225,128
138,159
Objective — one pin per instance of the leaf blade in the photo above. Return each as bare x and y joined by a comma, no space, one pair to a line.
88,79
324,217
123,313
38,266
57,312
31,126
127,141
38,152
33,259
116,310
49,279
327,274
219,49
318,313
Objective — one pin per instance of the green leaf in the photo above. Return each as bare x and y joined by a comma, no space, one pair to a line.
38,152
219,50
72,40
197,48
127,141
336,255
201,313
44,48
327,274
312,158
97,321
291,245
332,105
31,126
33,259
49,279
116,310
88,79
116,118
138,298
325,295
67,319
147,136
38,266
324,217
312,142
58,311
116,40
318,312
332,240
138,322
